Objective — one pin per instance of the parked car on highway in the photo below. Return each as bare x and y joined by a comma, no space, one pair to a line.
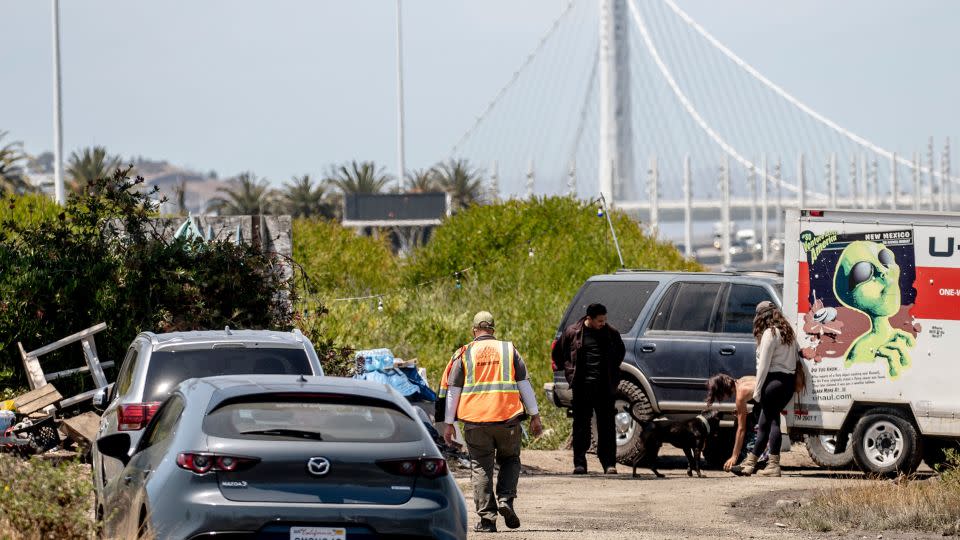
282,456
156,363
678,329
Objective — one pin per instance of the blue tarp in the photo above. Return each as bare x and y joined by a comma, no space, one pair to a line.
378,367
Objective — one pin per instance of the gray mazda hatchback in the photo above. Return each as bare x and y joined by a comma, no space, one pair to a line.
282,457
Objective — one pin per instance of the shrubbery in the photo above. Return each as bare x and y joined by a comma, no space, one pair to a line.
100,258
42,500
426,315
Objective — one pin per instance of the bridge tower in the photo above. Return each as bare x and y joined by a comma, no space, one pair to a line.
616,164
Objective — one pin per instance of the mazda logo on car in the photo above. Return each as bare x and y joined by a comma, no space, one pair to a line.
318,466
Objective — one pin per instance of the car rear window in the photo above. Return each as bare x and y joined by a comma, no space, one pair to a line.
307,420
170,368
624,301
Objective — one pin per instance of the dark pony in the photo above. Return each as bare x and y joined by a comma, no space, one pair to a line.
720,387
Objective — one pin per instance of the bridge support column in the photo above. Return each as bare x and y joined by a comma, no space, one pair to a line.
725,212
616,138
654,178
916,181
894,186
801,183
764,233
687,207
832,178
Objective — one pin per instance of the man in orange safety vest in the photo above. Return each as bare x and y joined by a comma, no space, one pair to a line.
488,390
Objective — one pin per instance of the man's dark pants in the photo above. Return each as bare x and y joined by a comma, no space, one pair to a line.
590,399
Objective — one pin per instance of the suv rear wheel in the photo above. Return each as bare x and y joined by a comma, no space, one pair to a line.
629,446
821,447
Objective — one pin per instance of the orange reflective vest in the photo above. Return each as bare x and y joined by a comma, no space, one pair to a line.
490,392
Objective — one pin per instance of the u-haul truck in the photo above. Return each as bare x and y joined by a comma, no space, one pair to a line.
875,300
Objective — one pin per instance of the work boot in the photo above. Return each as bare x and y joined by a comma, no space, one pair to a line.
485,525
579,469
746,467
610,470
509,516
772,468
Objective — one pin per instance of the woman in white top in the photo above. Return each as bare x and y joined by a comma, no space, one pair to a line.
776,379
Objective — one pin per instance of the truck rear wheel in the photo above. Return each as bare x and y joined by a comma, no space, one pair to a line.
629,446
820,448
885,443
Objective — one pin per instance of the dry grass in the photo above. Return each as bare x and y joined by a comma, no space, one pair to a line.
41,500
905,504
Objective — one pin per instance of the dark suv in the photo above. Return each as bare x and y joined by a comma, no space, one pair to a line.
678,329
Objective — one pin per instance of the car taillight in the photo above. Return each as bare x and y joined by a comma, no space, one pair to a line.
135,416
426,467
553,365
205,462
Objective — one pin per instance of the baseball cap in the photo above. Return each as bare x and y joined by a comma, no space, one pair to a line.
765,305
483,319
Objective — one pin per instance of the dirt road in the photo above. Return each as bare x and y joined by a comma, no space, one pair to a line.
554,504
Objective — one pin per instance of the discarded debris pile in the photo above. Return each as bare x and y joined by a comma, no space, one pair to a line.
41,420
32,424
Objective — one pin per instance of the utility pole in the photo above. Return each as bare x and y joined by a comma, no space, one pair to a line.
58,190
687,208
401,170
616,141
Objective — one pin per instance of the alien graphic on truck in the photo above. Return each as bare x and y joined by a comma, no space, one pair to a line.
867,280
865,313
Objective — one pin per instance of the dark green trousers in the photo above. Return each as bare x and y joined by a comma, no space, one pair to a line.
489,445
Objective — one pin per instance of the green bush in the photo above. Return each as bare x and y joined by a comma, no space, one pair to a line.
42,500
101,260
429,316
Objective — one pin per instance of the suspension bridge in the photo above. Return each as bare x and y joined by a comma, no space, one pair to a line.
635,100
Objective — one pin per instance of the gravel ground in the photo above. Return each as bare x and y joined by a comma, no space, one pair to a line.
554,504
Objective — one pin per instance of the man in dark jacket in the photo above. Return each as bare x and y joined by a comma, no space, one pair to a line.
590,352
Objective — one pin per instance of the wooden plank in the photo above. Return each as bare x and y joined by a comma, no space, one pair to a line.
67,372
68,340
93,362
32,367
36,400
70,401
82,428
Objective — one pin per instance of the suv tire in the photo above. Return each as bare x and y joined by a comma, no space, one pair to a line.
885,443
629,447
820,448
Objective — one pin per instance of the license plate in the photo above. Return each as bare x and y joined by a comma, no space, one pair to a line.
318,533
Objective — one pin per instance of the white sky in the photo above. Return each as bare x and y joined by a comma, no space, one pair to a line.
289,87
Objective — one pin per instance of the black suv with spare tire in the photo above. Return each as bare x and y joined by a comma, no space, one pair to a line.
678,329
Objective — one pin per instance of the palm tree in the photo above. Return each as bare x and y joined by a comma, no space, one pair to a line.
303,198
462,182
422,181
12,177
91,164
363,177
245,195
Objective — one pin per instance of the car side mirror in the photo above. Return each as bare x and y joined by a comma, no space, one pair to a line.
116,446
101,398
